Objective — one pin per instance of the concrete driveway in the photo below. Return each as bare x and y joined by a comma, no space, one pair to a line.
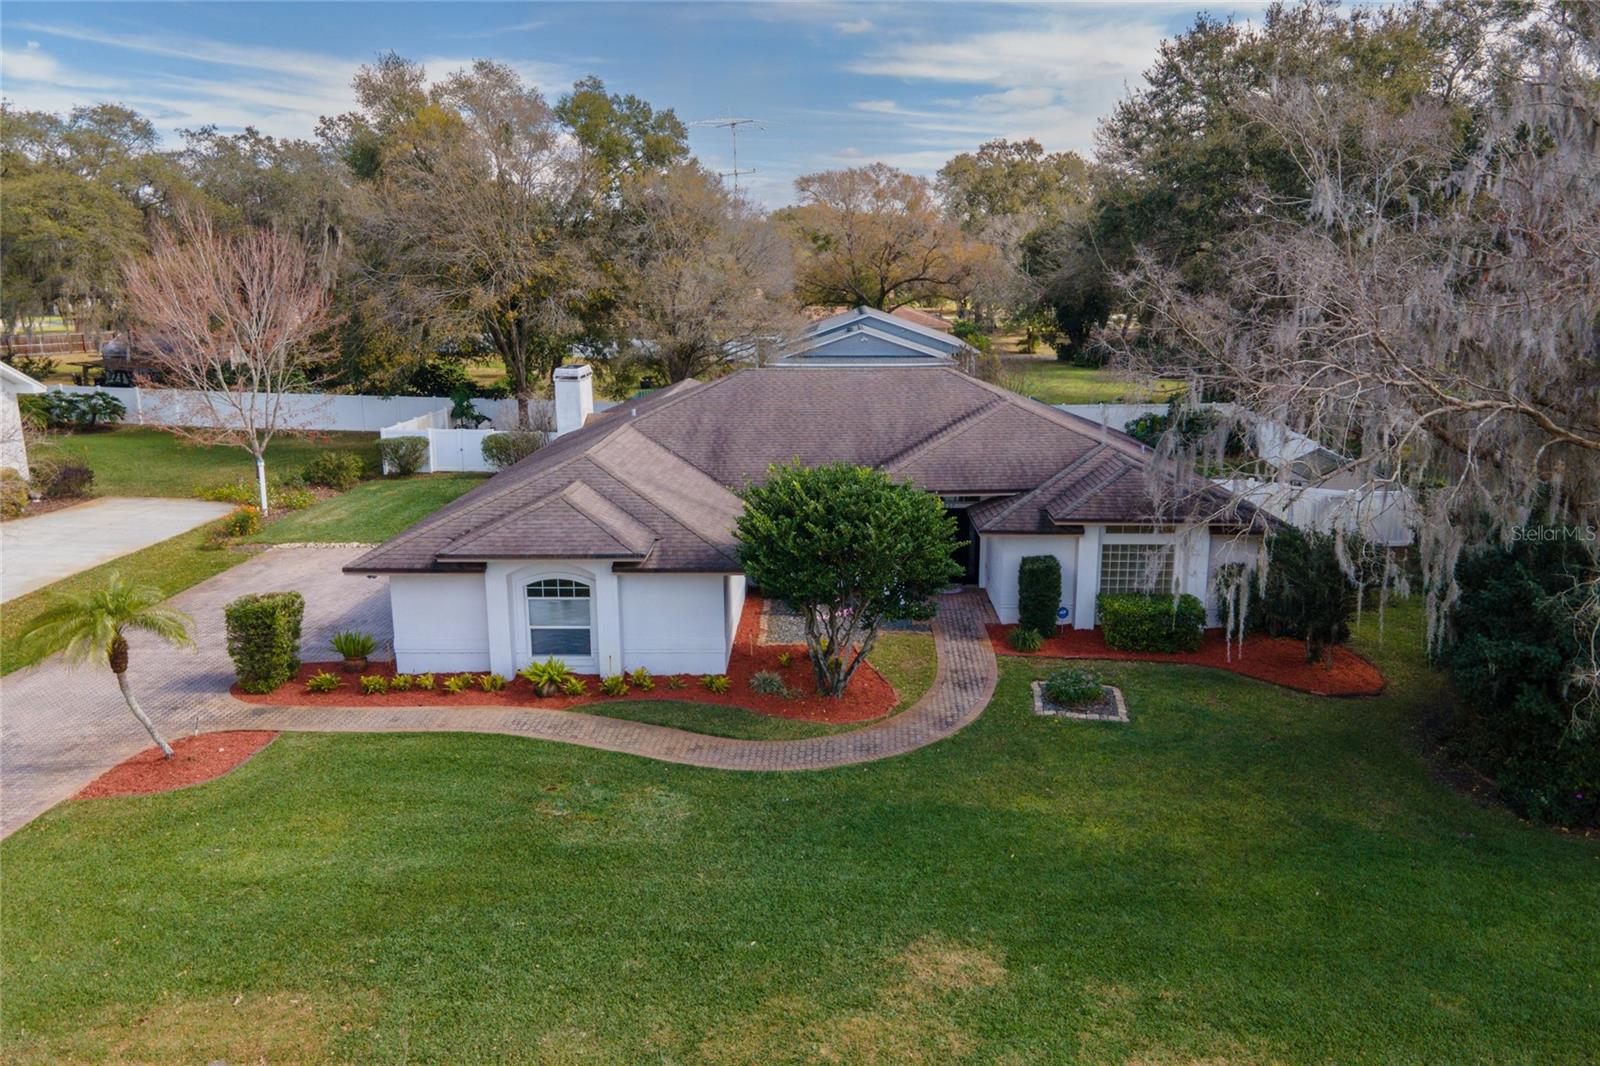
37,551
60,728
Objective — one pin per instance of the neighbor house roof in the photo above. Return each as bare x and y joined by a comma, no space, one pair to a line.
864,334
652,483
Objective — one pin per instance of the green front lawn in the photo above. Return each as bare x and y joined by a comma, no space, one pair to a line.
372,511
139,461
1240,874
1044,378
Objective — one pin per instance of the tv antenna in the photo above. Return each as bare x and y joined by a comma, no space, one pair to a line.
732,126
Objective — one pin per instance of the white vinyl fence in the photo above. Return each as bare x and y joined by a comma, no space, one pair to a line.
448,449
316,411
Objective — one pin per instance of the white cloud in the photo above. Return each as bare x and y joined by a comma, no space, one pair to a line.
280,92
853,26
1050,79
1059,51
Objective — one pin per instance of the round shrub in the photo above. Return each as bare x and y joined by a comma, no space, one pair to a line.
1024,639
1073,687
1151,623
403,456
264,638
501,450
335,470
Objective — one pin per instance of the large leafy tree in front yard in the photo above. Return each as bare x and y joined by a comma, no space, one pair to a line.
95,625
849,549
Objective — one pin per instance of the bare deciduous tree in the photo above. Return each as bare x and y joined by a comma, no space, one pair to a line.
234,319
710,280
1431,304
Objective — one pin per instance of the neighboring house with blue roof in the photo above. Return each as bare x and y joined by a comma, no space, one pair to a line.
864,336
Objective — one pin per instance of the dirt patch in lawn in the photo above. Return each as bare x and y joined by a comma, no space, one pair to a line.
1279,660
869,695
194,760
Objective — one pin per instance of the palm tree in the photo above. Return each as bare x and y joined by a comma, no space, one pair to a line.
89,625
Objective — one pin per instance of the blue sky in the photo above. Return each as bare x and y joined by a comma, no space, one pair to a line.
836,84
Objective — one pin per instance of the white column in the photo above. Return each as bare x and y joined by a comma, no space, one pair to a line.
497,606
607,620
1088,577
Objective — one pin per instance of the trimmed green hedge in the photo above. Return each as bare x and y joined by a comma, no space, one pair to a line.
403,456
264,638
501,450
1039,593
1151,623
339,471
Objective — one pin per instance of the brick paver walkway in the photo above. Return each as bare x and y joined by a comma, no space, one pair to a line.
60,728
961,690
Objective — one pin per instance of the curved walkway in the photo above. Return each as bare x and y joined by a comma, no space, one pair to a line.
962,688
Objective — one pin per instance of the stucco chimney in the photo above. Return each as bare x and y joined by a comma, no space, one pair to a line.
574,396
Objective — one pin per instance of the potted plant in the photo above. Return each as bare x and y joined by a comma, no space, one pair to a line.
354,647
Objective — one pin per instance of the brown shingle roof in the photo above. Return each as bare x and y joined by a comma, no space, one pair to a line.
652,483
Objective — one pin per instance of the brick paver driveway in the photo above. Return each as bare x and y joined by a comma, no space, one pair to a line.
59,729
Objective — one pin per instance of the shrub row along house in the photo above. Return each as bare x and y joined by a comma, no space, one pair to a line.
613,547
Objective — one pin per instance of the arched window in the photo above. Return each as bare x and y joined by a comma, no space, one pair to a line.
558,618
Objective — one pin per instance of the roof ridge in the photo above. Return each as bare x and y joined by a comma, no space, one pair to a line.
941,435
603,429
586,505
1092,481
1049,483
562,494
654,498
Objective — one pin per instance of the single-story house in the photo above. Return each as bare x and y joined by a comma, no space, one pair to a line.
612,547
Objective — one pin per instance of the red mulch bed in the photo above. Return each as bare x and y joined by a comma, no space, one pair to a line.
1279,660
868,696
194,760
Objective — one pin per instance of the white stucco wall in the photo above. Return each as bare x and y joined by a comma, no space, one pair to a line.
1003,554
674,623
13,452
440,624
667,623
733,600
1080,567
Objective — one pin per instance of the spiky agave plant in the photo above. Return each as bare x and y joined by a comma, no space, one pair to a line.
94,625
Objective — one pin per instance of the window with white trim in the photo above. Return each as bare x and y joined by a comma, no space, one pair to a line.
558,618
1136,568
